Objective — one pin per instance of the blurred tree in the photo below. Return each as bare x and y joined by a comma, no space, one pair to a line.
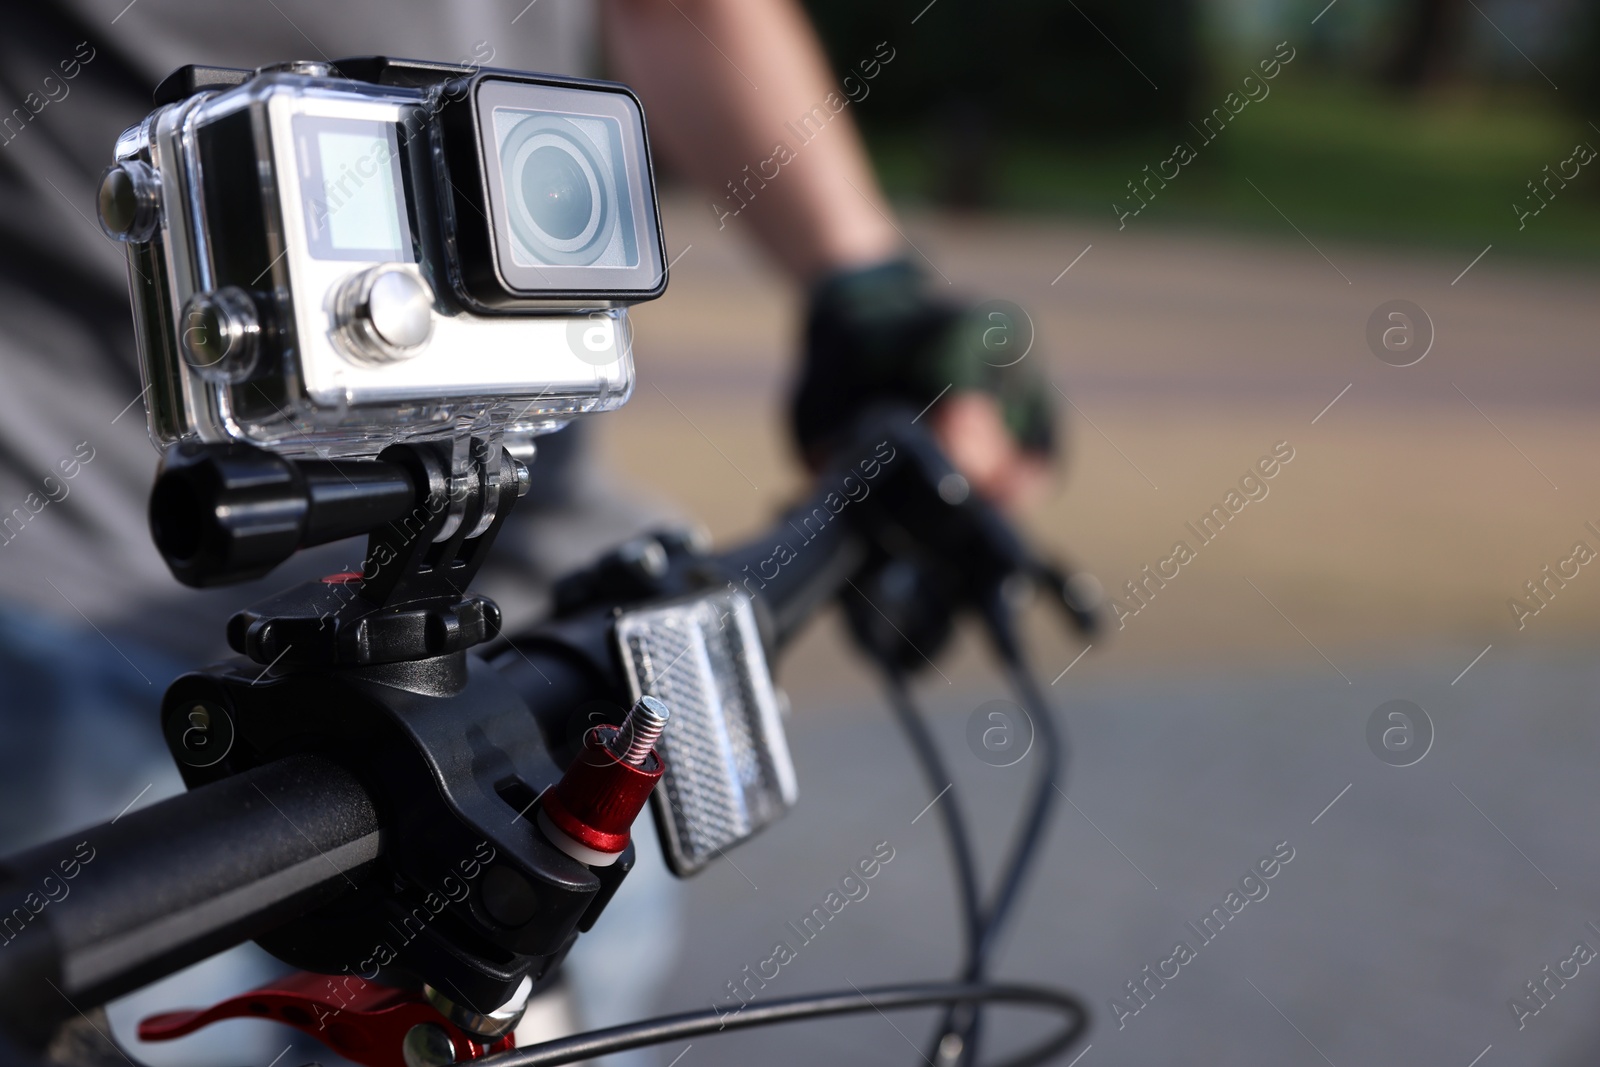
1580,61
970,76
1430,31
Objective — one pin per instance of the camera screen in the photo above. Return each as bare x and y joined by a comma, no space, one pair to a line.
351,186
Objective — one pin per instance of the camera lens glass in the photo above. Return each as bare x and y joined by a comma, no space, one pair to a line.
560,191
556,192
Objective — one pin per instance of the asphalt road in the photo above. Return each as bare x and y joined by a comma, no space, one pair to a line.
1418,901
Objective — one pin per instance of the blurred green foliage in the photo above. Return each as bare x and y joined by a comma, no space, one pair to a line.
1029,65
1024,105
1341,159
1338,159
968,78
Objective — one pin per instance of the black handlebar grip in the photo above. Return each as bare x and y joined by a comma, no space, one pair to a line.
106,910
223,513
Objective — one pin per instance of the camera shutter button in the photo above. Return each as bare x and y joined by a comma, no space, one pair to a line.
386,313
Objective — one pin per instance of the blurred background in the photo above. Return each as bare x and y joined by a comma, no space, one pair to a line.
1404,152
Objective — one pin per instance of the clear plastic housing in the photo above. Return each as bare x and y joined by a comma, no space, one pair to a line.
289,188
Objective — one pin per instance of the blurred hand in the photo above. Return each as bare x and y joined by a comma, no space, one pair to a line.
882,334
972,431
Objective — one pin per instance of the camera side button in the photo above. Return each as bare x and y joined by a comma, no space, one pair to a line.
221,334
385,313
128,203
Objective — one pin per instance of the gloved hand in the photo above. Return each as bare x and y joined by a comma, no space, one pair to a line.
881,333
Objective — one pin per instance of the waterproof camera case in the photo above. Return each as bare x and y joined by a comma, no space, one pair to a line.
329,259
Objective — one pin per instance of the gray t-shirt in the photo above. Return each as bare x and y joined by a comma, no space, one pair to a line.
75,461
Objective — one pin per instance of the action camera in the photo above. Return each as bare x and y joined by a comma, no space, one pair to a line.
327,259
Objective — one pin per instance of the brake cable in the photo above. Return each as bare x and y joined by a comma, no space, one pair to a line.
957,1037
1053,758
665,1028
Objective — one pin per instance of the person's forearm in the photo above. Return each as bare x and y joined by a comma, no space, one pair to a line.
727,84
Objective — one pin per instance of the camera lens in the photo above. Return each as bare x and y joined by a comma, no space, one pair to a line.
560,196
556,192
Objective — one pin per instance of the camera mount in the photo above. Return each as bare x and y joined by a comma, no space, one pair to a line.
369,669
230,512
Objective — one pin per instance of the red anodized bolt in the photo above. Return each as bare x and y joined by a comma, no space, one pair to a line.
588,814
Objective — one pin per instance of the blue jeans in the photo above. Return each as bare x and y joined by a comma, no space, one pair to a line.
80,719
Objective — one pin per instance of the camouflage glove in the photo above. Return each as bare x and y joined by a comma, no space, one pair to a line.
880,333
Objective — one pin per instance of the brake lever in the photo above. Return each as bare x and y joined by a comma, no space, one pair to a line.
1078,594
957,532
372,1024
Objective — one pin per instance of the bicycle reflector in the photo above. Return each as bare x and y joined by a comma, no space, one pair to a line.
728,769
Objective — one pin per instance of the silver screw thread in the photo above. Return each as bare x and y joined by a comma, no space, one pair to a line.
639,731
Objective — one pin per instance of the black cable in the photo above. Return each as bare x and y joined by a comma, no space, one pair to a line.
1052,759
983,929
958,1020
878,999
939,779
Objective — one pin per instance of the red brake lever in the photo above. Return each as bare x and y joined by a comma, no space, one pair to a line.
362,1021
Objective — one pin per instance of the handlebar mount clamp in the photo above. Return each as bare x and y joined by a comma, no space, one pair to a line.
370,669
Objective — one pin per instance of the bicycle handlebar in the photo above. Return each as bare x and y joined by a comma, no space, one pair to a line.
102,912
